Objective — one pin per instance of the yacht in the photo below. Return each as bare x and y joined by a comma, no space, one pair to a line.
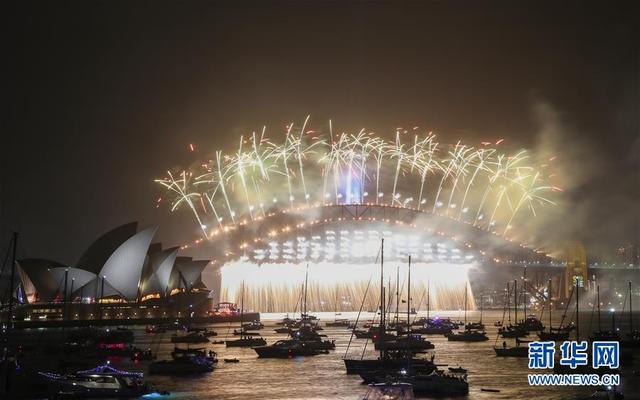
182,364
393,360
436,383
407,342
102,381
246,341
312,338
288,348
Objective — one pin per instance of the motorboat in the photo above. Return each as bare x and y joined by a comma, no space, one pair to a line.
312,338
102,381
194,352
287,349
246,341
389,391
468,335
182,365
252,326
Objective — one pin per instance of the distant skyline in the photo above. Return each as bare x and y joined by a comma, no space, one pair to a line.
105,96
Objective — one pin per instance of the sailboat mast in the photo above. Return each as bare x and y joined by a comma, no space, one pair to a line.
549,300
481,304
428,298
598,299
13,277
397,292
630,310
306,277
524,292
515,299
242,307
382,311
509,301
465,304
577,312
409,296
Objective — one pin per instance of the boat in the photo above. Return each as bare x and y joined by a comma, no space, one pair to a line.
476,325
560,333
288,348
197,352
247,338
284,329
530,323
231,360
184,364
436,383
433,329
467,335
338,322
581,369
432,326
246,341
410,341
601,334
512,331
497,324
102,381
313,338
243,332
554,334
632,338
252,326
393,360
517,351
193,337
389,391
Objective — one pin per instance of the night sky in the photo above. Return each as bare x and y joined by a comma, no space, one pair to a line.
105,96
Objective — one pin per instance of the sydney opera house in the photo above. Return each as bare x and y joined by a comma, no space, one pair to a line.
122,275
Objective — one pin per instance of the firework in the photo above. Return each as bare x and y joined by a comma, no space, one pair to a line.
482,186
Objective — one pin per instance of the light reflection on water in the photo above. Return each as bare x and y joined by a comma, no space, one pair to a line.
324,377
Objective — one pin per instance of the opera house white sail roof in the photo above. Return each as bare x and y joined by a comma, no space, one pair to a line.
122,262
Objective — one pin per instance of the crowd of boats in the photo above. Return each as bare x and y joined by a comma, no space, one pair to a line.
403,365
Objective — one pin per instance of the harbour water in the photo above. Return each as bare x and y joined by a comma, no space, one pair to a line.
324,376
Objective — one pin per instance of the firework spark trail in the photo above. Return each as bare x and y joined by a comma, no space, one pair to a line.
396,151
180,187
482,155
492,183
